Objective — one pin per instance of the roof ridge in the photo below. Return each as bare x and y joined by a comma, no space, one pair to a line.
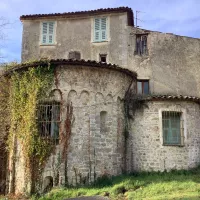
69,14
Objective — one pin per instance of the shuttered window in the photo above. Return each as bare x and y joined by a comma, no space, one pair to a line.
172,128
100,29
141,45
48,32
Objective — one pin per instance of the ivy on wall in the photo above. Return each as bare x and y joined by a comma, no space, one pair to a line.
27,89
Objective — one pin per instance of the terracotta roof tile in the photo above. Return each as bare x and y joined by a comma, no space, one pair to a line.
82,62
169,97
81,13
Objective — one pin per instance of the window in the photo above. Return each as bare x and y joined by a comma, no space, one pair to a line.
102,58
49,119
100,29
48,33
143,87
172,128
141,44
103,119
74,55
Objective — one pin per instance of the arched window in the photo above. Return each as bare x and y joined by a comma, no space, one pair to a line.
103,120
47,184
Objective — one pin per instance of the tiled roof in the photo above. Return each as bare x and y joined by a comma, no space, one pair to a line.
169,97
81,13
74,62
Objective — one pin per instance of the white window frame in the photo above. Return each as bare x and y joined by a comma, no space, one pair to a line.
184,128
54,33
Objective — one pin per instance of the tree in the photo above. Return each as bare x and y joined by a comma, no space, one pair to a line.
4,23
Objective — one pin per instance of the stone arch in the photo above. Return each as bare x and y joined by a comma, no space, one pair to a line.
109,98
56,95
85,97
47,183
99,98
72,96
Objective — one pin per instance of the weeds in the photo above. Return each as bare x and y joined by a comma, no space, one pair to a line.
175,184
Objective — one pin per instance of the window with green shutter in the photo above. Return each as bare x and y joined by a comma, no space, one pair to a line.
48,32
100,29
172,130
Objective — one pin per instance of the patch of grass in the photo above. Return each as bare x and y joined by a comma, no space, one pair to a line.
179,185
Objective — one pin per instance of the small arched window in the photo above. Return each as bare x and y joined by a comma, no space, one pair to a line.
103,120
47,184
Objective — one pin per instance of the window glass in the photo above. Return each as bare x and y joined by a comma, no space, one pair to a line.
146,87
143,87
139,87
171,128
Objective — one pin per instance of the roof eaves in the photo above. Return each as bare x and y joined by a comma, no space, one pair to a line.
90,63
168,97
89,12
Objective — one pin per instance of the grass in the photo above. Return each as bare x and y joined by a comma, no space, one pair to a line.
179,185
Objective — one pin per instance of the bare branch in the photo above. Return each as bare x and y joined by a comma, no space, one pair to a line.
4,24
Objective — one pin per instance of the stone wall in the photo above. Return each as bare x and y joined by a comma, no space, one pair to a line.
148,152
96,145
172,64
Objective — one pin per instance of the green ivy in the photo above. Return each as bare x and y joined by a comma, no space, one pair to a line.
27,89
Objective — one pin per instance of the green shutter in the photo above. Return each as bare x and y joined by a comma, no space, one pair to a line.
44,33
97,30
171,128
47,32
100,29
103,29
51,32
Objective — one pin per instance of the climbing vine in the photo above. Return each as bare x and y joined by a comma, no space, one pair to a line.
4,127
27,89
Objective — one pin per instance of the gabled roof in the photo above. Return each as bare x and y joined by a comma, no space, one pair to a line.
68,62
83,13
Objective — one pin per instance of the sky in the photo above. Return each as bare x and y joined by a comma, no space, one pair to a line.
181,17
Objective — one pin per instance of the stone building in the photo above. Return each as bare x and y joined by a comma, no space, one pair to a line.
139,113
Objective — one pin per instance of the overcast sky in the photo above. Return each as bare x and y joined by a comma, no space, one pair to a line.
181,17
